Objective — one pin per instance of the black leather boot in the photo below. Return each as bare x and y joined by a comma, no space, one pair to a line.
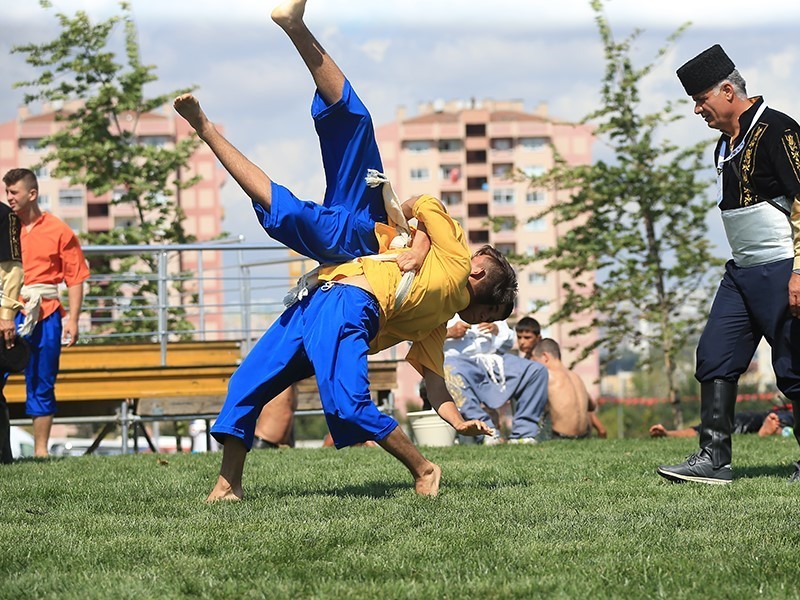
712,463
795,477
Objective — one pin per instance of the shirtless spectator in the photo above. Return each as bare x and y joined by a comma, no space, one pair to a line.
568,401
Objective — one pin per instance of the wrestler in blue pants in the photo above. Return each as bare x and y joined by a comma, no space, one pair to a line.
328,332
525,383
343,227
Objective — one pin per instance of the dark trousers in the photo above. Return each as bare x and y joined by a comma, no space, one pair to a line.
5,427
751,303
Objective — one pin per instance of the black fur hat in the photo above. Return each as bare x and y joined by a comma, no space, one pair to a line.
705,70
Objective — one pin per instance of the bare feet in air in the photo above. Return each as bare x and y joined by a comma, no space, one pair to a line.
224,492
290,13
187,106
428,483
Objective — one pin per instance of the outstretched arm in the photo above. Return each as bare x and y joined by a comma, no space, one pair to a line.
443,404
253,181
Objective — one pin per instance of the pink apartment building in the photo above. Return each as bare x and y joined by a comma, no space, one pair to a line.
464,153
85,212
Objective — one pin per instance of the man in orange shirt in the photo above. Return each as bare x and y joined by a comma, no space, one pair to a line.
51,254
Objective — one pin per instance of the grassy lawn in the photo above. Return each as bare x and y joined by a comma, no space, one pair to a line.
562,519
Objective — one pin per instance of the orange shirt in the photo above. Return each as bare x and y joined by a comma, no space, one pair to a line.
51,253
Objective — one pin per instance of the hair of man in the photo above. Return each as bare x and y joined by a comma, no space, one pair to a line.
25,175
548,345
528,324
499,286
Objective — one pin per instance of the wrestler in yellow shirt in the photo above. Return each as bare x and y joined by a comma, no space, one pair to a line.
438,292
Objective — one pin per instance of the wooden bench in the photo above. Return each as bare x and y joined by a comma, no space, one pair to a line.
122,384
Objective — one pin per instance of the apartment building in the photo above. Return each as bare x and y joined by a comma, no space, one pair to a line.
473,156
83,211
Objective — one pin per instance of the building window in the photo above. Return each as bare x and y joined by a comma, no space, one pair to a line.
476,130
450,173
506,223
477,183
451,198
76,224
536,225
97,210
42,172
536,197
420,174
480,236
478,210
506,249
70,197
535,249
30,144
502,170
502,144
417,146
533,143
450,145
503,196
534,171
44,202
476,157
537,278
158,141
124,222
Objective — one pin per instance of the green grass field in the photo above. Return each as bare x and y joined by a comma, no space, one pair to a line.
561,519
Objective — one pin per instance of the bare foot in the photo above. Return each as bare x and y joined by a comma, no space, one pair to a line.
187,106
428,484
289,14
224,492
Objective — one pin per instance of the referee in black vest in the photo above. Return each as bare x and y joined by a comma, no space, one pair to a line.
758,169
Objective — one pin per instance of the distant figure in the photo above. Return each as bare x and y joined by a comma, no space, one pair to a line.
51,255
568,401
765,423
529,332
484,378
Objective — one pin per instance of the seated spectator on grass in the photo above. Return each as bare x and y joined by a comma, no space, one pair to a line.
529,332
483,378
765,423
568,402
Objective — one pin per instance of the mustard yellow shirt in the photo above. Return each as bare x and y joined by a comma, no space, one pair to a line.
439,290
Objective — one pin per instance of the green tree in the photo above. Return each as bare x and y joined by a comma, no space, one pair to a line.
638,221
98,145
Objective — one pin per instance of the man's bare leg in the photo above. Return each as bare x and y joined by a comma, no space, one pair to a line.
275,423
427,475
41,435
229,482
328,78
253,181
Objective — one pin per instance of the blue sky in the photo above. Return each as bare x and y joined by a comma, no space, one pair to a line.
404,53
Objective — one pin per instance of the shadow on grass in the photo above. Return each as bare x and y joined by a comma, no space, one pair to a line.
375,489
774,470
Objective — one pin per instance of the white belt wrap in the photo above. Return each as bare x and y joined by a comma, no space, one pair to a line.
759,234
33,294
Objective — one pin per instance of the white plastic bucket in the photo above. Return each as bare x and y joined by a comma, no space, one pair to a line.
430,429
